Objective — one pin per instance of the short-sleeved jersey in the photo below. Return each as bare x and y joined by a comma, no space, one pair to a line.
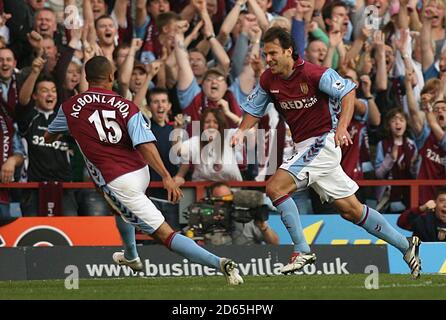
433,154
107,129
46,161
309,100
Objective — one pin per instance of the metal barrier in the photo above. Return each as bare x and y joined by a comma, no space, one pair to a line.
200,187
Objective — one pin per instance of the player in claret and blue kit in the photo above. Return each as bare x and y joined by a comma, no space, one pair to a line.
318,105
117,145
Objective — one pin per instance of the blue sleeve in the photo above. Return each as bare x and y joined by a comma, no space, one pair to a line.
420,139
59,124
278,5
17,145
140,31
298,34
241,49
239,95
334,85
379,155
430,73
257,102
443,142
186,96
147,57
139,130
363,118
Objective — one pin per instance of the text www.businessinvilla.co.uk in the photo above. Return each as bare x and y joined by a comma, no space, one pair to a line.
254,267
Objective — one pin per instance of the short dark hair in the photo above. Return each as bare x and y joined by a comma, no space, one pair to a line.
440,191
124,45
438,102
283,36
221,121
104,16
97,69
10,50
163,19
194,49
392,113
433,84
154,91
44,77
285,39
328,10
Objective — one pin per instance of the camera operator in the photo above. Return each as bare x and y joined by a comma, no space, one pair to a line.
428,222
256,231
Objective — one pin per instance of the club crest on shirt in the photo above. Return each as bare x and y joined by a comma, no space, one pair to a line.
304,88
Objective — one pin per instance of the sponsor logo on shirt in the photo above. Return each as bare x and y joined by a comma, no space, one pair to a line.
338,85
304,103
434,156
274,91
252,96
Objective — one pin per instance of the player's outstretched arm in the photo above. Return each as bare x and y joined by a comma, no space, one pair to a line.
153,158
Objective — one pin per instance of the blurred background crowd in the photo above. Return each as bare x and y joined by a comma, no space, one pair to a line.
197,60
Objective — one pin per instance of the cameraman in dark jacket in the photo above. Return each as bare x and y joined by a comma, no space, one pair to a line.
256,231
428,222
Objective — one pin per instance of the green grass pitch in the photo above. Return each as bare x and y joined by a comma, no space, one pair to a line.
289,287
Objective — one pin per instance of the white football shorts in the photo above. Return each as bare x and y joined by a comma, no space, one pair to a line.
126,194
318,162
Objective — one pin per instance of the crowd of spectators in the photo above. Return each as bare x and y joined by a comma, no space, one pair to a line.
182,61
